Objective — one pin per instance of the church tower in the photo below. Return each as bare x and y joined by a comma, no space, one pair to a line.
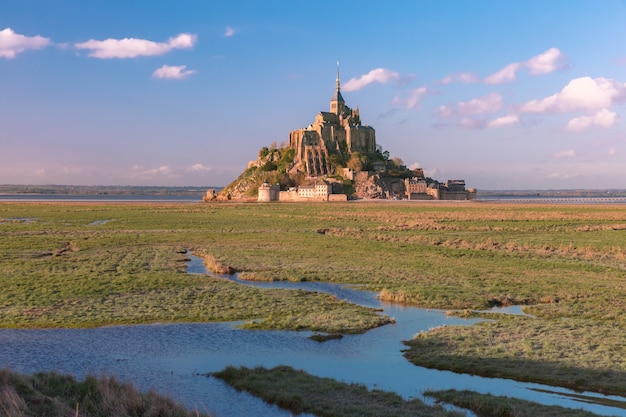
337,103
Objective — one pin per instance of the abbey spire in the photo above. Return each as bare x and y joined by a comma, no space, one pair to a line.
337,103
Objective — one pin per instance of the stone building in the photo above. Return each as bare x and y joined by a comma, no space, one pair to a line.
337,131
417,188
321,191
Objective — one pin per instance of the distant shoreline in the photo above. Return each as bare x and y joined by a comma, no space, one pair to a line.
104,190
100,193
96,198
185,199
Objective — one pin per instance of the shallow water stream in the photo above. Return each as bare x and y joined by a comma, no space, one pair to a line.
171,357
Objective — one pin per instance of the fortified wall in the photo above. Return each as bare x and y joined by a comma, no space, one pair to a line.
268,192
317,192
419,189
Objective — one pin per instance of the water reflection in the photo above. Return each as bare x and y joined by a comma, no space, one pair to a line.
169,357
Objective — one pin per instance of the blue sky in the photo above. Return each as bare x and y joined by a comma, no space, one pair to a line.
506,95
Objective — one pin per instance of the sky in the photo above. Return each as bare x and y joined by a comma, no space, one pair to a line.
503,94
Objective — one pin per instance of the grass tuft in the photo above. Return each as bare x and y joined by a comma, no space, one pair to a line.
54,394
300,392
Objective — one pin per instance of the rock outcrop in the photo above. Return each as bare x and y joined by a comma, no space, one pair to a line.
375,186
273,165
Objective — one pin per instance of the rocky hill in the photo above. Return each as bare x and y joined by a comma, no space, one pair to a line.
274,165
277,166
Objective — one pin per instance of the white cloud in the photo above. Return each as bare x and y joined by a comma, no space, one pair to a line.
583,93
603,118
612,151
378,75
199,168
427,172
544,63
565,154
175,72
462,113
547,62
162,170
148,174
462,77
12,44
414,99
503,121
131,47
506,74
490,103
229,32
562,175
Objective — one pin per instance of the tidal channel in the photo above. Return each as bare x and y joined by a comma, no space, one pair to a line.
173,358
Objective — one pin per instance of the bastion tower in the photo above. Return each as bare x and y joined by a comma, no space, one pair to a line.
338,131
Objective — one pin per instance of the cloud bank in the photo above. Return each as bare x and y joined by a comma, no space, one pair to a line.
603,118
583,93
199,168
132,47
550,61
12,44
414,99
172,72
503,121
378,75
490,103
461,77
545,63
505,75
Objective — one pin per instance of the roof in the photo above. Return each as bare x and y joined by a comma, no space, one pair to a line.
337,96
329,117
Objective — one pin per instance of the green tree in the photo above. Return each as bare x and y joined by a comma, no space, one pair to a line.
359,162
334,161
397,162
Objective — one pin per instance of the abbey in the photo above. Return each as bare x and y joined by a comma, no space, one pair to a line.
337,131
336,158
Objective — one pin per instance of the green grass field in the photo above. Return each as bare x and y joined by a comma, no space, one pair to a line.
60,269
565,263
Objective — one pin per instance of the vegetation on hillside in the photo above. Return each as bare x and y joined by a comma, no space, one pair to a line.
276,165
272,165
